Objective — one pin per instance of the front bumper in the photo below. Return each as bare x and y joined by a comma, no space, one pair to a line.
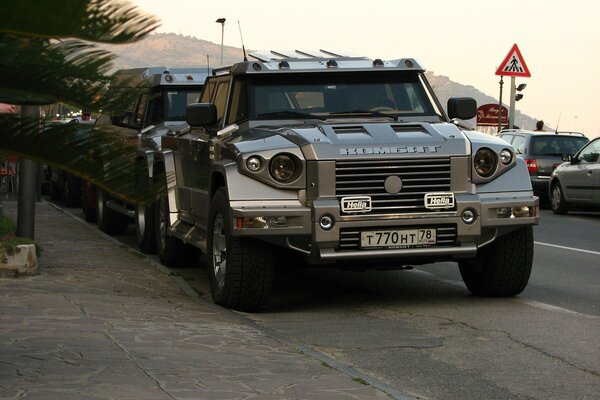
495,215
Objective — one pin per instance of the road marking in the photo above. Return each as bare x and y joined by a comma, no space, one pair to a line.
549,307
597,253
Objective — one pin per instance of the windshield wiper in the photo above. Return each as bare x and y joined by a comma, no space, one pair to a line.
293,114
363,112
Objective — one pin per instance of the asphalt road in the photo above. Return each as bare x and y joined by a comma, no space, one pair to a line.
422,333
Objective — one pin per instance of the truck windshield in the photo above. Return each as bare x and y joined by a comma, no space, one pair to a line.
169,103
339,94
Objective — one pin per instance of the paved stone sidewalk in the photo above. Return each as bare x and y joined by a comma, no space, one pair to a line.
101,322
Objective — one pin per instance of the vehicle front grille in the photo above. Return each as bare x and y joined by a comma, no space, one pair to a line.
367,178
350,237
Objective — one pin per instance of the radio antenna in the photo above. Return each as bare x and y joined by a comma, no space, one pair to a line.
556,130
242,38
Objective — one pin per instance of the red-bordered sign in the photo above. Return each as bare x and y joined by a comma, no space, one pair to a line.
514,64
487,115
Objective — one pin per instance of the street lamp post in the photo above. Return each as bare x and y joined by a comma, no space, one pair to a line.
222,22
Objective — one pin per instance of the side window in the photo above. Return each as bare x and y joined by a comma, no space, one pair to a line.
590,153
519,144
207,93
220,100
239,103
508,138
140,109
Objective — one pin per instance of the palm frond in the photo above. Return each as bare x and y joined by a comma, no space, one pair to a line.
97,154
34,71
107,21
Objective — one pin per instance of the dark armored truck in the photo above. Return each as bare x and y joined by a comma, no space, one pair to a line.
341,159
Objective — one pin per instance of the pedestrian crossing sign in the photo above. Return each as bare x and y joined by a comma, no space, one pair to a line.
513,64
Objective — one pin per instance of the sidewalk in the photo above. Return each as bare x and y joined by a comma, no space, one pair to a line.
102,322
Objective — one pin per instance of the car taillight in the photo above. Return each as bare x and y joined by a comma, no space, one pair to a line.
531,165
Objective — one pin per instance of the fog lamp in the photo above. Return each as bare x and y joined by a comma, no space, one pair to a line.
261,222
326,222
521,212
504,212
469,216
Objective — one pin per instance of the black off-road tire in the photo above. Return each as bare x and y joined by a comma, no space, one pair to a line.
557,199
109,221
88,206
72,191
246,282
145,219
145,231
172,252
501,268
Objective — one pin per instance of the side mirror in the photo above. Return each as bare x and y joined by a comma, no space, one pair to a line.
462,108
567,157
201,114
125,120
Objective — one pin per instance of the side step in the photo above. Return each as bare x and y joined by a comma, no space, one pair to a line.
189,234
116,206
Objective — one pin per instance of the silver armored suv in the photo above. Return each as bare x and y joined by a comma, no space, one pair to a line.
341,159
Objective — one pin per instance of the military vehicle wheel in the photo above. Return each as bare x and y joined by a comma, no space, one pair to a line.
144,227
501,268
109,221
72,191
145,218
172,252
559,205
87,207
240,270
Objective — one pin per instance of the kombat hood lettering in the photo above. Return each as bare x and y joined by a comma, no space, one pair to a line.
360,151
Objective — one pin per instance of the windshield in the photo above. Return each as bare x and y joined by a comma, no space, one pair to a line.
170,103
338,94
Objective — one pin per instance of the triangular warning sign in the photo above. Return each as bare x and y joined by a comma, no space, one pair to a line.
513,64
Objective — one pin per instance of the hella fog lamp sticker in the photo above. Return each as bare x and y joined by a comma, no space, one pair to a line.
437,201
356,204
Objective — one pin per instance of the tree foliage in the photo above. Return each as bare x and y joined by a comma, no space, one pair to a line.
48,55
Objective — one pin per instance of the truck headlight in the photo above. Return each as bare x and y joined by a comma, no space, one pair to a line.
485,162
282,168
506,156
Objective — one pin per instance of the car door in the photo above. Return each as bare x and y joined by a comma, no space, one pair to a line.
579,178
200,161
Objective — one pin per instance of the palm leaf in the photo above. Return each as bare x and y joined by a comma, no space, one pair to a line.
108,21
96,154
33,71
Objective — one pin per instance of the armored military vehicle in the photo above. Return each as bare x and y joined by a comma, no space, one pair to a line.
157,111
344,161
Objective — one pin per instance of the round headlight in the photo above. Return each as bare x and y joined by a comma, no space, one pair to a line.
506,156
485,162
254,163
282,168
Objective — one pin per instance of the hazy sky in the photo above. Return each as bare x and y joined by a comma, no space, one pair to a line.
465,40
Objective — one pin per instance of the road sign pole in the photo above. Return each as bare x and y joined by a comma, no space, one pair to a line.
513,92
500,105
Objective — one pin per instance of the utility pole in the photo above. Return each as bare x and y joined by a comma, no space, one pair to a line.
222,22
500,105
511,113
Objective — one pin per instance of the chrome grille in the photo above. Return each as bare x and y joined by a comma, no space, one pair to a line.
367,177
350,237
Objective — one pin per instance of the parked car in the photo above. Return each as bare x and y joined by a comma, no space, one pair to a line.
542,152
576,183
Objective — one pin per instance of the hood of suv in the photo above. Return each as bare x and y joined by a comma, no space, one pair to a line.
364,140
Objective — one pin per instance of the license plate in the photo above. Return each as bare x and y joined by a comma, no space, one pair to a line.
398,238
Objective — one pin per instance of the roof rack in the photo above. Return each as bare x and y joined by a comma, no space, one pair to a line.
569,133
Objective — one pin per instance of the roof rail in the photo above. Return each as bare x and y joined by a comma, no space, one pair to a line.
570,133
